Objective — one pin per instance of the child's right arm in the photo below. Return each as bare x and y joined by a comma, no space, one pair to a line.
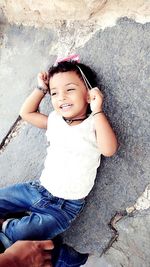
29,108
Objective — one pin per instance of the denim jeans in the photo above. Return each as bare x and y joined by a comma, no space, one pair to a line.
66,256
48,215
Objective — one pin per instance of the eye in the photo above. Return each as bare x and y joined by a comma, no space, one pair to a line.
70,89
53,94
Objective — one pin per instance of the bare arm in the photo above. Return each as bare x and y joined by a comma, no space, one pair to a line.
29,108
106,139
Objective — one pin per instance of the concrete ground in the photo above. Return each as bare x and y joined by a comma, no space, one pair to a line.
120,55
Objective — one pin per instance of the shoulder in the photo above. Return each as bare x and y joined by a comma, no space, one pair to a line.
54,118
53,115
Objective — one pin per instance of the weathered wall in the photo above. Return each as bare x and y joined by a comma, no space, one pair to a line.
104,12
120,54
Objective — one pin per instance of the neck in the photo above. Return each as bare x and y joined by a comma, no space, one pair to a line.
79,118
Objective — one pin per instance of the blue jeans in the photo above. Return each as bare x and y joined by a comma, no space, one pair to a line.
48,215
66,256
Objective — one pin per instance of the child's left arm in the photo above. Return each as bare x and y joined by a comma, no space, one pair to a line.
106,139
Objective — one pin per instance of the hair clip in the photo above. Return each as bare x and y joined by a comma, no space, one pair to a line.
87,83
73,57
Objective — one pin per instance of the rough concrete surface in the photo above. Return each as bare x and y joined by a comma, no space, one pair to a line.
104,12
132,246
121,56
24,52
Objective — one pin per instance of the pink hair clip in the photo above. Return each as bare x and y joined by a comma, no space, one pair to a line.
74,57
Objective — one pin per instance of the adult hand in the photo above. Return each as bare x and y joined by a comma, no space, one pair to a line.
31,253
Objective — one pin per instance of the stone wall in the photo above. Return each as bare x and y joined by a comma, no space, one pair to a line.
103,12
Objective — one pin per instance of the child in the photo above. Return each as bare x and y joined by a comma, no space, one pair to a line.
79,132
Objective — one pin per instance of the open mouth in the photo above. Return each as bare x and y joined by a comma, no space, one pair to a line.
65,107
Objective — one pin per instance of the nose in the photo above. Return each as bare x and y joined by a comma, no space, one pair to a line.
62,96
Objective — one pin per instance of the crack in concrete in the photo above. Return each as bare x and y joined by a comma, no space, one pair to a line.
97,9
142,203
11,133
112,225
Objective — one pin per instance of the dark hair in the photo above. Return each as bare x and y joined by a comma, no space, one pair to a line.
65,66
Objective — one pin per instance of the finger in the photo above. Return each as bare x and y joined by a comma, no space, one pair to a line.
47,253
47,256
48,75
101,93
96,88
97,92
47,244
47,264
40,75
92,95
45,76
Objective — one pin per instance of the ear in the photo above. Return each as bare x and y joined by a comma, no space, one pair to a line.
88,97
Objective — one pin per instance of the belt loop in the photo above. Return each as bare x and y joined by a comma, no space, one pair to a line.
61,201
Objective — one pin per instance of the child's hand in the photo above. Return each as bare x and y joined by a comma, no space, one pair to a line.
43,80
96,99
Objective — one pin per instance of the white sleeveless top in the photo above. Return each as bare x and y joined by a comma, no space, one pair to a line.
72,158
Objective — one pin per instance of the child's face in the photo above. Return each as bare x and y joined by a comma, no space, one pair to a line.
69,94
